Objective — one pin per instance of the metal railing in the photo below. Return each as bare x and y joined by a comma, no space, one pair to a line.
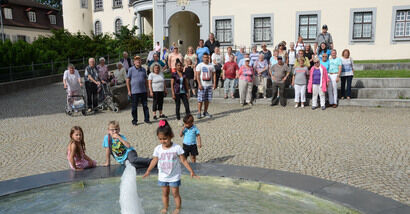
21,72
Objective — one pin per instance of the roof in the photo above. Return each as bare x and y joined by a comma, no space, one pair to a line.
30,3
20,10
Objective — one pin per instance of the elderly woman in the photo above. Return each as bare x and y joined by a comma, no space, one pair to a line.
261,67
120,75
157,90
245,76
254,55
217,63
228,54
72,82
103,70
318,82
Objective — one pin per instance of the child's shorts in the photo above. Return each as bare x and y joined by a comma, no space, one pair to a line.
169,184
190,150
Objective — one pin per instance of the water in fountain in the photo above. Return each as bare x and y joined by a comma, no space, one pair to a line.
129,201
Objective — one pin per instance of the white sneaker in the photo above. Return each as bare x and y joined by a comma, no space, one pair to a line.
302,105
296,105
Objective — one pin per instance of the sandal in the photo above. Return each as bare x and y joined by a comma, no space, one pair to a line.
164,211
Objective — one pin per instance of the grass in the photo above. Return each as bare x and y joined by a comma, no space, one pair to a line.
382,74
382,61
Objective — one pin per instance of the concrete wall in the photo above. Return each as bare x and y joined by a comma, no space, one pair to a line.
336,14
77,19
30,33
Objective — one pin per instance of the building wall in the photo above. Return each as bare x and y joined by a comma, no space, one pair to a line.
336,14
108,15
77,19
31,33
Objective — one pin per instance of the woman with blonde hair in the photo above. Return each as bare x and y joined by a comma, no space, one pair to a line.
347,74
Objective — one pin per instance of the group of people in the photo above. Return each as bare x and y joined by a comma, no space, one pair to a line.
166,156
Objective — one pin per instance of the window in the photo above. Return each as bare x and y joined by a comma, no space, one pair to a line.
118,25
52,19
8,13
262,29
308,25
402,24
223,30
97,28
98,5
362,25
32,16
21,37
84,3
116,3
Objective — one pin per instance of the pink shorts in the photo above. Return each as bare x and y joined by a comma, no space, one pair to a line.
83,164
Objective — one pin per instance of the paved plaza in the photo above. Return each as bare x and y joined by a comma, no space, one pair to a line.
367,148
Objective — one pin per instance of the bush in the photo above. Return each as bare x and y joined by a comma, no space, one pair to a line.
63,45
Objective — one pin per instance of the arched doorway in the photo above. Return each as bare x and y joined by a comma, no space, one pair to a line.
183,26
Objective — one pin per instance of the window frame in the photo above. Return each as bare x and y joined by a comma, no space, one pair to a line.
259,16
395,39
50,17
10,13
115,24
85,5
101,8
114,6
95,28
32,17
318,13
352,38
214,28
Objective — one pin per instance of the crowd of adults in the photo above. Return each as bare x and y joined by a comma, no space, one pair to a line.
299,66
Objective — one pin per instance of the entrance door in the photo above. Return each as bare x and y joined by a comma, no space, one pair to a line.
183,26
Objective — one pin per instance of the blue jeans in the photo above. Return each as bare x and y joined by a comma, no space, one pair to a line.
136,98
345,79
229,85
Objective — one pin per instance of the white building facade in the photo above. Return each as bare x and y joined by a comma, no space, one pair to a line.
370,29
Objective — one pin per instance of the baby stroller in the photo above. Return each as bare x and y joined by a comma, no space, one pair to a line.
75,103
106,100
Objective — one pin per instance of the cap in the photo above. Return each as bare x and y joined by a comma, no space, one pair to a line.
279,57
324,27
247,59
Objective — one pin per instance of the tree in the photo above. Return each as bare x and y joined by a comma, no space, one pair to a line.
52,3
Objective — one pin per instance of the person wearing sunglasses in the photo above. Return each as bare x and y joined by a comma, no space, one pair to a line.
318,82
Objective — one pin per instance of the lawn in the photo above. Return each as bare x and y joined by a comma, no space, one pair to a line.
382,61
382,74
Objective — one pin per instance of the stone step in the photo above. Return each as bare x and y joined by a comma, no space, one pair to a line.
363,93
402,103
380,83
366,83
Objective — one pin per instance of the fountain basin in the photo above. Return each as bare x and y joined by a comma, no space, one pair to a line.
247,189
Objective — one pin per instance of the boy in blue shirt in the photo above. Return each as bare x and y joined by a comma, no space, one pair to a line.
116,144
191,136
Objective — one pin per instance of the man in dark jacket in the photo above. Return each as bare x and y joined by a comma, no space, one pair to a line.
211,43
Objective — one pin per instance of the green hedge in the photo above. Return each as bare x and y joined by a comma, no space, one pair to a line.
63,45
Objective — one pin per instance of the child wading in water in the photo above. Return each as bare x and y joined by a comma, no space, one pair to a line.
76,156
116,144
191,136
169,168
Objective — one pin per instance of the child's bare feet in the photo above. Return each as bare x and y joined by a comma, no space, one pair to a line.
176,211
164,211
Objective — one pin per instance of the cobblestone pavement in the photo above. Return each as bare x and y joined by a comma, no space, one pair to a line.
364,147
